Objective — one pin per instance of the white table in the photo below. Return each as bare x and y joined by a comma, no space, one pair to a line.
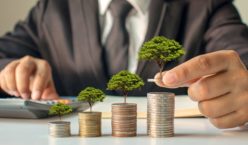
192,131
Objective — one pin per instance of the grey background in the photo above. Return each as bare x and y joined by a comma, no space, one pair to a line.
12,11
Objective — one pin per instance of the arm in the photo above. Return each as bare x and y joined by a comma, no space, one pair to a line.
226,30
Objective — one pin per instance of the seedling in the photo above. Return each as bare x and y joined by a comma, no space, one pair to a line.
91,95
161,50
60,109
125,81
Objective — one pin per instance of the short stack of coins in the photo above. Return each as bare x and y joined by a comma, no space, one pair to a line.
124,119
59,129
90,124
160,114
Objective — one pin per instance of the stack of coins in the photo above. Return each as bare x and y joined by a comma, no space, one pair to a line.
59,129
90,124
124,119
160,114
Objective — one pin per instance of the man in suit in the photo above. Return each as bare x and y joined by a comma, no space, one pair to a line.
64,46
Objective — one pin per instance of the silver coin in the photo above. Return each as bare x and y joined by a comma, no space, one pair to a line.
59,129
160,114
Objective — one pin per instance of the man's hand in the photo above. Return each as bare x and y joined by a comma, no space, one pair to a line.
28,78
218,81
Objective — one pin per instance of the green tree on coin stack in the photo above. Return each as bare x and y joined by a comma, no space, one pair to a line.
124,115
161,50
60,109
125,81
90,122
91,95
60,128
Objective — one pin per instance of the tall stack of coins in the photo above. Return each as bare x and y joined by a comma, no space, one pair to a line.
160,114
124,119
90,124
59,129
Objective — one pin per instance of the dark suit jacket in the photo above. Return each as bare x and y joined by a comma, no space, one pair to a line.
66,33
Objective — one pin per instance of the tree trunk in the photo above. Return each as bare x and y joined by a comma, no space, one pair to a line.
161,67
59,117
125,96
90,107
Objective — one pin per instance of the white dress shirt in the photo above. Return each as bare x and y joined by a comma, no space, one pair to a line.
136,25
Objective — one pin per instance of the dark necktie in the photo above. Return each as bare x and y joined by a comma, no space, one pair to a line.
117,42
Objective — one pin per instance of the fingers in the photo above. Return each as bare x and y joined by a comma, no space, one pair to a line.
41,78
158,79
23,72
219,106
29,78
211,86
231,120
227,111
50,92
4,84
10,80
200,66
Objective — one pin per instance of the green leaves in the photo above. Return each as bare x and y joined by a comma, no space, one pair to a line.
91,95
161,49
125,81
60,109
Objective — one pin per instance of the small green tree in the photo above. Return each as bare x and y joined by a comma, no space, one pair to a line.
125,82
161,50
91,95
60,109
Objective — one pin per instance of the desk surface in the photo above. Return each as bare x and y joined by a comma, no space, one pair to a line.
187,131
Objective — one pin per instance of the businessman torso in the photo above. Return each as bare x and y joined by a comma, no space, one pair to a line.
68,35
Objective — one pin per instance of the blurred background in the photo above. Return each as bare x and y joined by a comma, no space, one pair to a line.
12,11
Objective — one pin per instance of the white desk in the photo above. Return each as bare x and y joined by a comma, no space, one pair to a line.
190,131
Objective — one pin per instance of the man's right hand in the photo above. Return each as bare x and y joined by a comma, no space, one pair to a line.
28,78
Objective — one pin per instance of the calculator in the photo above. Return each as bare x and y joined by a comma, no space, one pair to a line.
32,109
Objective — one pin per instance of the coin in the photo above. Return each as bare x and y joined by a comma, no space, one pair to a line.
90,124
124,119
160,114
59,129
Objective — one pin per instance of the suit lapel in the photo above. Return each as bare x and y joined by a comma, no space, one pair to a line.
166,15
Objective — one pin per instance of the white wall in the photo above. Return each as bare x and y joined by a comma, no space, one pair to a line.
12,11
242,6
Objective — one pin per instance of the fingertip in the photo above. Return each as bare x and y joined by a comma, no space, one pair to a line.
169,78
53,96
16,94
157,80
157,76
158,83
36,95
25,96
9,93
